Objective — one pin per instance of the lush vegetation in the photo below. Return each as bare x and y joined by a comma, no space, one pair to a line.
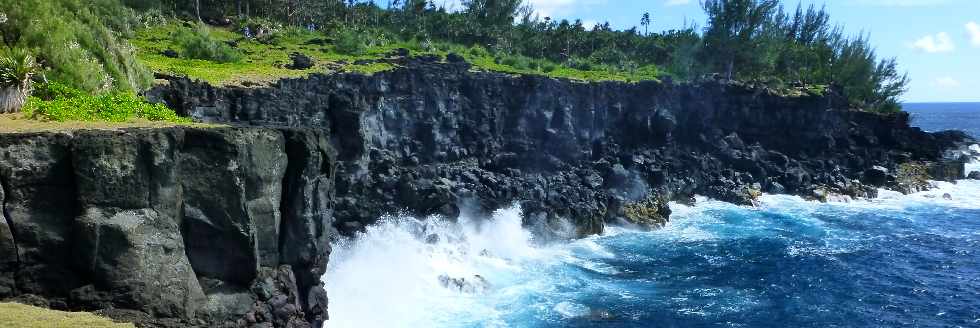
743,39
267,58
78,42
57,102
88,69
242,41
16,68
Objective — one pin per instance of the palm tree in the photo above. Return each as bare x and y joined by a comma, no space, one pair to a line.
645,21
16,70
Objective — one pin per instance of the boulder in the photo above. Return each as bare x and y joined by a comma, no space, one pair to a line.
975,175
139,257
300,61
650,213
876,176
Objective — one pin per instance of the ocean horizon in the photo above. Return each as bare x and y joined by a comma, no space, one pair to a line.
938,116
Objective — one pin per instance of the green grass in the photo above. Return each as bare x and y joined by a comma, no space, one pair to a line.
15,315
268,60
260,62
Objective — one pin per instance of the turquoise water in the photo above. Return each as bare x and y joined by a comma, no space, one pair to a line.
897,261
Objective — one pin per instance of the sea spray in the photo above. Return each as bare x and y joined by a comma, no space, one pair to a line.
895,260
393,275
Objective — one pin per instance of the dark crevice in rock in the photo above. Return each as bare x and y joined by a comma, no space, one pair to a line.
12,267
294,160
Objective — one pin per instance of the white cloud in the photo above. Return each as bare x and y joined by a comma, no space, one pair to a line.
973,29
946,82
669,3
940,42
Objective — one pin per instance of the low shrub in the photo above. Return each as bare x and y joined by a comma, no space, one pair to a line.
54,90
197,43
548,67
350,42
56,102
579,64
509,61
478,51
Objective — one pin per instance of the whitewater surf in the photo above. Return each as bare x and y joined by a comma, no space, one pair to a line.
895,260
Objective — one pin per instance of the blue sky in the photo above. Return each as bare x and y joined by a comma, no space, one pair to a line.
936,41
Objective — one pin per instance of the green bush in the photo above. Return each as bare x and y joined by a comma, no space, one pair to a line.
349,42
79,42
57,102
54,90
197,43
579,64
478,51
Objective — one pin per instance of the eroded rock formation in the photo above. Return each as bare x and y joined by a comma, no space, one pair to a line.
199,225
431,136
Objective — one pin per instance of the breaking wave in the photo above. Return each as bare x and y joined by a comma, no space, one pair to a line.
896,260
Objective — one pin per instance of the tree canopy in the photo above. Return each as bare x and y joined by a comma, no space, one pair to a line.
741,39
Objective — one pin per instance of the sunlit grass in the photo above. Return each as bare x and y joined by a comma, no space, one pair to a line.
268,61
14,315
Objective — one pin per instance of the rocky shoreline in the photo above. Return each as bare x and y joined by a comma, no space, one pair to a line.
430,136
231,225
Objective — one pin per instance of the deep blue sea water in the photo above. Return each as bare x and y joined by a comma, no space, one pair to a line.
946,116
897,261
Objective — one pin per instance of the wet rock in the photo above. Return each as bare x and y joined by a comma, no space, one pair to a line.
876,176
650,213
468,285
975,175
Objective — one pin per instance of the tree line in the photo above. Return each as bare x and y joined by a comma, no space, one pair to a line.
756,40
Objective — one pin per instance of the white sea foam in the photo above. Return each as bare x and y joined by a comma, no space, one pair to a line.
389,276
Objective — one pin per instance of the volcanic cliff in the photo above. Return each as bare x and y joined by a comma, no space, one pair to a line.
231,225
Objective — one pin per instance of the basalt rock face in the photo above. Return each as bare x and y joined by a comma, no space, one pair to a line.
187,226
231,226
434,138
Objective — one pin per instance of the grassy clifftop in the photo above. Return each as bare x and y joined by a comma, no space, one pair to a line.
14,315
165,48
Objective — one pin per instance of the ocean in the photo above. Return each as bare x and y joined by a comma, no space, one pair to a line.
946,116
899,260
